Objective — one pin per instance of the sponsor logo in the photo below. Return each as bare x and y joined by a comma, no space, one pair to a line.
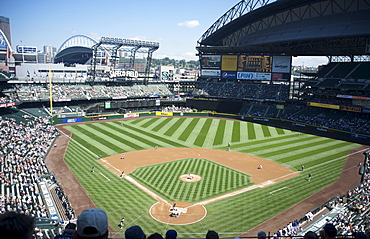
99,118
117,73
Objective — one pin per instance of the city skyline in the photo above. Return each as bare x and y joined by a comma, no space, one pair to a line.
176,25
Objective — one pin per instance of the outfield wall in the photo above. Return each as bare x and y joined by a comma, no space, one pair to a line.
281,123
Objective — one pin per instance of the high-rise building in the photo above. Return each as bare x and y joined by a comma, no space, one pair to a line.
5,27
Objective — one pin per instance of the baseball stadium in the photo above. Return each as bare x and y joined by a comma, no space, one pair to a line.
245,147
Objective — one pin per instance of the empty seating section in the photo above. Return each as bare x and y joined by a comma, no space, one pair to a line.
362,71
326,70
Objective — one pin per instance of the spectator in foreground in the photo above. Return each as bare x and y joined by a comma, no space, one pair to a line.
16,225
68,232
171,234
155,235
134,232
93,224
261,235
330,231
212,235
310,235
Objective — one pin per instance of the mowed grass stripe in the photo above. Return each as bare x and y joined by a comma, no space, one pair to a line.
332,153
162,123
180,130
119,134
303,145
176,126
272,149
251,131
266,131
236,132
279,131
203,133
89,141
266,142
218,139
156,137
111,139
310,163
188,130
310,152
148,122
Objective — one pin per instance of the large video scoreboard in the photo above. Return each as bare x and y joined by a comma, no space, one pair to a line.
246,67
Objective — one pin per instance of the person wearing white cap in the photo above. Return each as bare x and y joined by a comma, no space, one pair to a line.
93,224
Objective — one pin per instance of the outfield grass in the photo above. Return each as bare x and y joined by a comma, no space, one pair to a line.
232,215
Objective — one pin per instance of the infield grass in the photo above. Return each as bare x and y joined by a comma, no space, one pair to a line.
323,158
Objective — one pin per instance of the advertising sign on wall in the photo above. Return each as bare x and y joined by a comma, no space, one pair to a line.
228,74
229,62
253,76
281,64
211,73
210,62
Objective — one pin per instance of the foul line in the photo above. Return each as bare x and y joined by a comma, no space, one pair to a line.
278,190
104,176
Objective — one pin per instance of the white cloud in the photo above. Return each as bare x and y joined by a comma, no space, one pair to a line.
191,24
309,60
95,35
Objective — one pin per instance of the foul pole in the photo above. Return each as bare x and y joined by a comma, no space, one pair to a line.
51,95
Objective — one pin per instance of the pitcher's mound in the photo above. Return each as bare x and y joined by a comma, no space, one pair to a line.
187,213
190,177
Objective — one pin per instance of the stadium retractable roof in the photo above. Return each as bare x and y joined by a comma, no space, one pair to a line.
294,27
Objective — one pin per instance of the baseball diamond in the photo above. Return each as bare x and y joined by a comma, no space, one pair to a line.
146,193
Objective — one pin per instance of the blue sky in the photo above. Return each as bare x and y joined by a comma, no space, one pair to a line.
175,24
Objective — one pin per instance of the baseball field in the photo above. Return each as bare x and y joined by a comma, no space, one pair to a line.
226,192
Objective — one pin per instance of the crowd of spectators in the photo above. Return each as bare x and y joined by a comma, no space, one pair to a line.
174,108
6,99
326,118
24,143
243,90
62,92
356,215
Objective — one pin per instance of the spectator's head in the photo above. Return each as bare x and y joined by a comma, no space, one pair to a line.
155,236
330,231
310,235
16,225
171,234
134,232
92,223
70,228
212,235
367,232
361,235
261,235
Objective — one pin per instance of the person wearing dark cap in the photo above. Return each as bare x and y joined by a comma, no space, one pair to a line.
93,224
330,231
134,232
171,234
212,235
